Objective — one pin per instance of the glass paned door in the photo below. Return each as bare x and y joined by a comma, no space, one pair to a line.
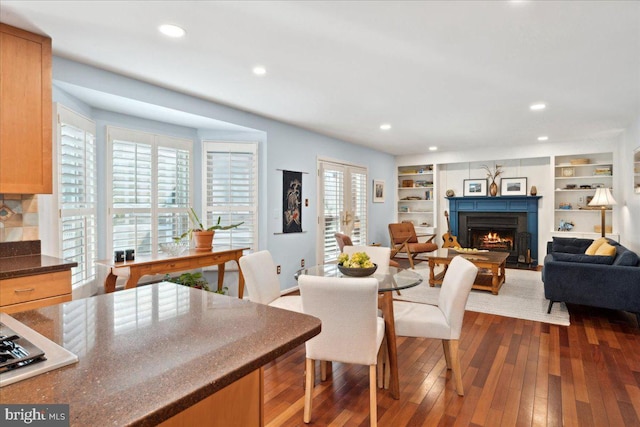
343,206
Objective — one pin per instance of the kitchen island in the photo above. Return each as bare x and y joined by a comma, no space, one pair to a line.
161,353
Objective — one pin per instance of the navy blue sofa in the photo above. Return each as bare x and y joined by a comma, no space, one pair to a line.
610,282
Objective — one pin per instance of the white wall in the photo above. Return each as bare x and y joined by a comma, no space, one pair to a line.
630,201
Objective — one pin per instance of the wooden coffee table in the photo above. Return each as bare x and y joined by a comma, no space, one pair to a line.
491,267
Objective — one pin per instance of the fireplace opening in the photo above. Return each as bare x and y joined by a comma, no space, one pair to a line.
493,240
497,231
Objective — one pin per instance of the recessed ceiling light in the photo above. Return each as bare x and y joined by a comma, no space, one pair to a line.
543,138
433,148
259,70
385,126
538,106
170,30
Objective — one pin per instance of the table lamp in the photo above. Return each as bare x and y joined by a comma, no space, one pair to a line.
603,199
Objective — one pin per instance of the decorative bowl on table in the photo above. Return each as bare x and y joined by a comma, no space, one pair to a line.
174,248
358,272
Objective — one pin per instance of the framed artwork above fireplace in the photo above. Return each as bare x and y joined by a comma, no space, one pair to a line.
475,187
513,187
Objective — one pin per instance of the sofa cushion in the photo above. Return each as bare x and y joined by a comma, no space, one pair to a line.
626,257
570,245
606,249
591,250
590,259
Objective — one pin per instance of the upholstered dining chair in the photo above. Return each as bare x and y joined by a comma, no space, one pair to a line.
404,239
343,240
378,254
443,321
351,330
261,279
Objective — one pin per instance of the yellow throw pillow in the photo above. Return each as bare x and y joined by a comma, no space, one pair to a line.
606,249
592,249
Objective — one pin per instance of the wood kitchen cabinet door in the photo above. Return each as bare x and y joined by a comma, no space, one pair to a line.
25,112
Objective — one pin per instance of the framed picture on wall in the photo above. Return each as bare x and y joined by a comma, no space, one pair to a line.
513,187
475,187
378,191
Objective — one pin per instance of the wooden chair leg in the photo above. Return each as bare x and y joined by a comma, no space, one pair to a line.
373,400
323,370
383,368
308,389
447,356
455,365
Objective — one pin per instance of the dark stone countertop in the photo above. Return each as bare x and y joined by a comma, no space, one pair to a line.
23,258
148,353
29,265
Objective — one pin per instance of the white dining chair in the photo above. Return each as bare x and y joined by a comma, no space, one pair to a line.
378,254
261,279
351,330
442,321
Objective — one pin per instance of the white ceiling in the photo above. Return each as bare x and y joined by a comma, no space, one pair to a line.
452,74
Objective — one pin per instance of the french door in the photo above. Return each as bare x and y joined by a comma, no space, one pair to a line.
342,206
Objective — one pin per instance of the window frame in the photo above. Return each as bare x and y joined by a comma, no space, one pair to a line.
251,147
155,140
70,117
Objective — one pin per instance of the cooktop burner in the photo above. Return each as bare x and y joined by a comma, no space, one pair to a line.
15,351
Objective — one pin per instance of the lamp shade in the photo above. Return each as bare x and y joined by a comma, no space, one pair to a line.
602,197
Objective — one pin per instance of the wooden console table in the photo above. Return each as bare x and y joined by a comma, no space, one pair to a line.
162,264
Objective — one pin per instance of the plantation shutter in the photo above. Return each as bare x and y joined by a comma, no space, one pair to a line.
333,197
150,190
231,182
77,194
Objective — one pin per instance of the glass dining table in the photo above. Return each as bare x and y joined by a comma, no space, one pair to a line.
394,280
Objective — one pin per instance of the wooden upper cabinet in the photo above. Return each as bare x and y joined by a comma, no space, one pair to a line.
25,112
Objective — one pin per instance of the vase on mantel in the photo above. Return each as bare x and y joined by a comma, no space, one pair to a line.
493,189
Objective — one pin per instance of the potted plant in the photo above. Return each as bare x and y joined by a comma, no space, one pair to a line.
203,237
194,280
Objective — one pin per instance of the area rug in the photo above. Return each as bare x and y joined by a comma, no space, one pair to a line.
521,296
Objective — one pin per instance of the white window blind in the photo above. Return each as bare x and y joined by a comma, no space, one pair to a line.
231,182
77,191
150,190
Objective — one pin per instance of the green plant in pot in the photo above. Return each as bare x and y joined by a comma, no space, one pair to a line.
194,280
203,237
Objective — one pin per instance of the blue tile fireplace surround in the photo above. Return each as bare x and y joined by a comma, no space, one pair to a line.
516,213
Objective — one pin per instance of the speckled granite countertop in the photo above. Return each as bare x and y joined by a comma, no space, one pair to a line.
147,353
19,259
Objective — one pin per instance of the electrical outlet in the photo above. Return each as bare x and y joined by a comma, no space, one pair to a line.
278,270
580,199
302,262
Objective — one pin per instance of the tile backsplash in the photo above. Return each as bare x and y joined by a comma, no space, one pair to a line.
18,217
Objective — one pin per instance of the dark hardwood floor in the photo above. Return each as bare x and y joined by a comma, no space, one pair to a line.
515,373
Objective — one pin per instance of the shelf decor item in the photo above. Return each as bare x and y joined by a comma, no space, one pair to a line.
581,161
603,199
568,172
